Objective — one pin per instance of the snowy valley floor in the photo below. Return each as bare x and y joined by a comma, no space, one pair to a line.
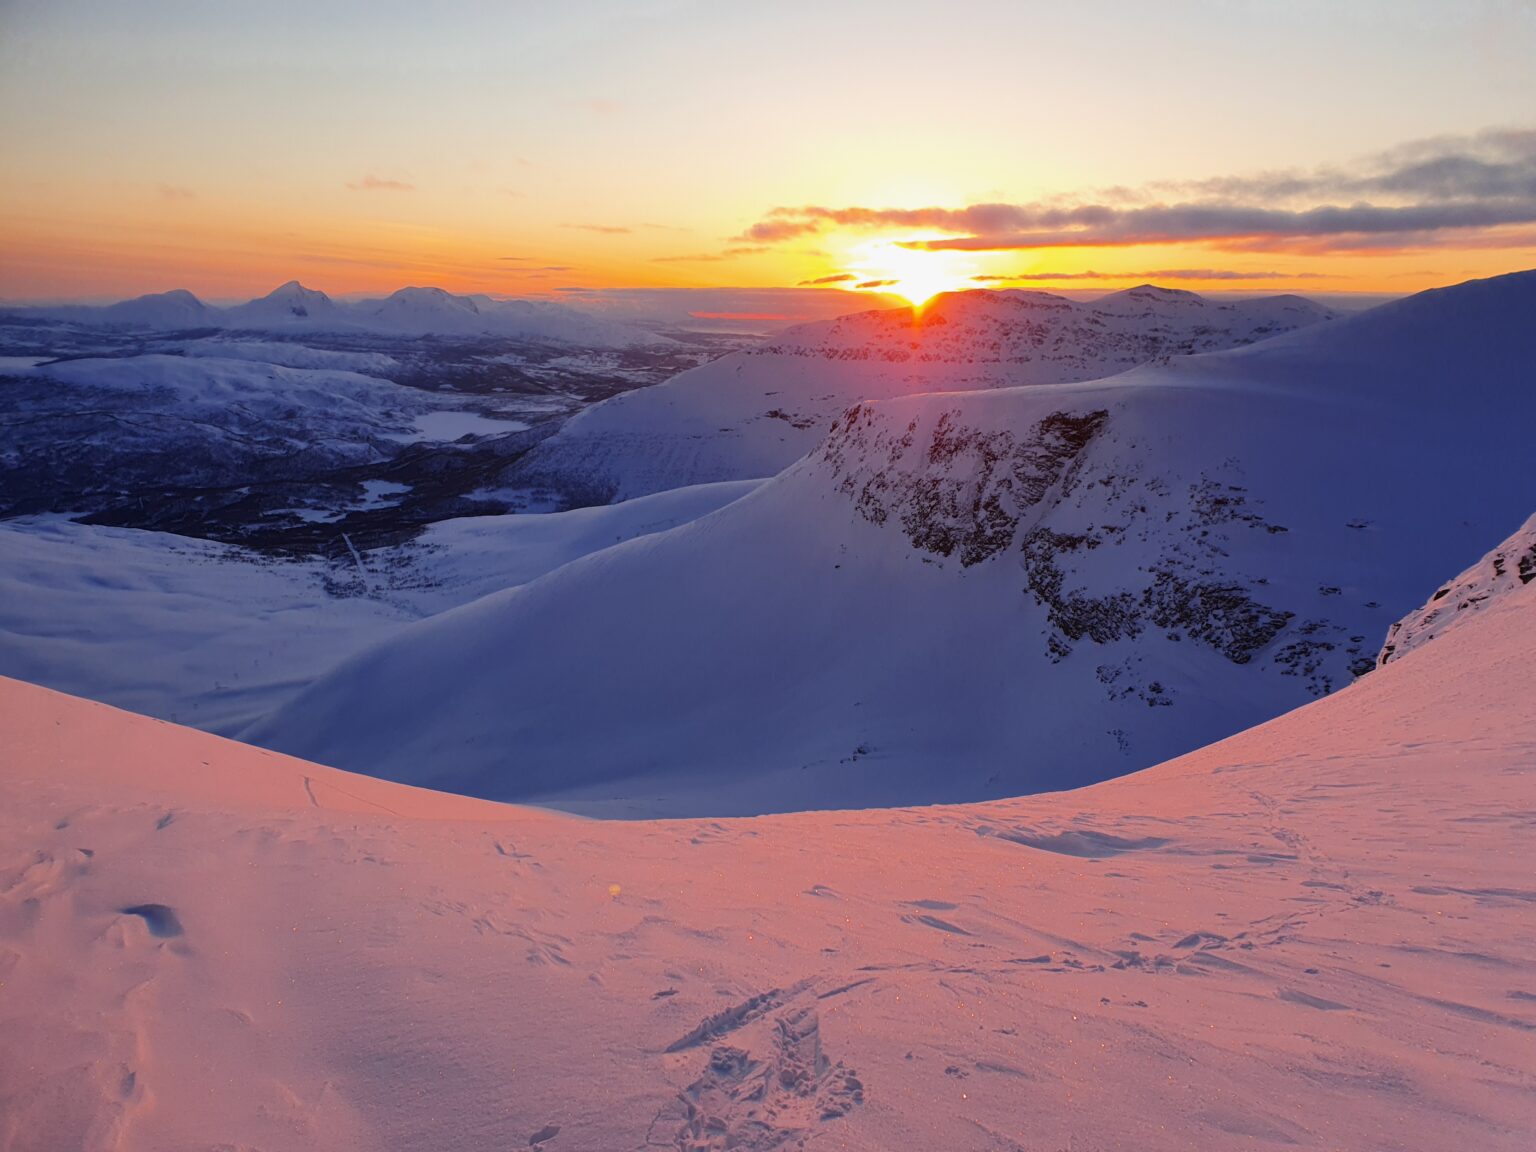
1316,934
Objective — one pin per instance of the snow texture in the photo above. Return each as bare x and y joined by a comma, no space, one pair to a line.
1315,935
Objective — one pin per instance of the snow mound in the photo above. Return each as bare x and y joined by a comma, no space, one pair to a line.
1507,570
963,596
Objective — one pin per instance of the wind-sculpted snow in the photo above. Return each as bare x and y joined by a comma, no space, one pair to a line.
1316,935
1508,570
959,596
755,412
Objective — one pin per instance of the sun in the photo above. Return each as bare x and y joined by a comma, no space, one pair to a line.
914,273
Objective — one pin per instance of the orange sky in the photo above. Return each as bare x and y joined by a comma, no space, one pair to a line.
665,143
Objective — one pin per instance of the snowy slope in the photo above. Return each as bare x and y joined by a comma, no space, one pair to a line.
755,412
1507,570
1315,935
967,596
215,636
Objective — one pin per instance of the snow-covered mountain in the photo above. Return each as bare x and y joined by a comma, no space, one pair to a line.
1508,569
755,412
958,596
290,305
175,310
1317,934
293,308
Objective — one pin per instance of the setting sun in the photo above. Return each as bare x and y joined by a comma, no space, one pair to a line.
917,275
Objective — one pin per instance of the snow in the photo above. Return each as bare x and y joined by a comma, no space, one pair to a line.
1316,934
449,426
1504,571
753,413
215,636
377,493
292,355
967,596
198,387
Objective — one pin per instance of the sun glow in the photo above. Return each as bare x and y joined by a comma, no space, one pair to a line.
916,274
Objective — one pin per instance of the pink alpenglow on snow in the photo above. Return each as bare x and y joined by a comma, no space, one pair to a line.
1316,934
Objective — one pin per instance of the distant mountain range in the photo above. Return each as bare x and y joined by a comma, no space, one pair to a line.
407,312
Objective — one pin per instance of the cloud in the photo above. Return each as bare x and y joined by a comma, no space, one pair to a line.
1417,195
885,283
605,229
839,278
1154,274
372,183
175,192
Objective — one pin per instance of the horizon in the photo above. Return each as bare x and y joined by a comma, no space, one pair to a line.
684,307
608,147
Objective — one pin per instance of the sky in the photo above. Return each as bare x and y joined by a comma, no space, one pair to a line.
561,149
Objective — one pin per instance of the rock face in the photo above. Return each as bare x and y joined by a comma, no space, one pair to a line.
955,488
755,412
966,489
1509,570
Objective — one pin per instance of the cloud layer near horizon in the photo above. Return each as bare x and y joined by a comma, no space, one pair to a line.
1417,195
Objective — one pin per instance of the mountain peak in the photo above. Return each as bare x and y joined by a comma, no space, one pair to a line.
293,288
